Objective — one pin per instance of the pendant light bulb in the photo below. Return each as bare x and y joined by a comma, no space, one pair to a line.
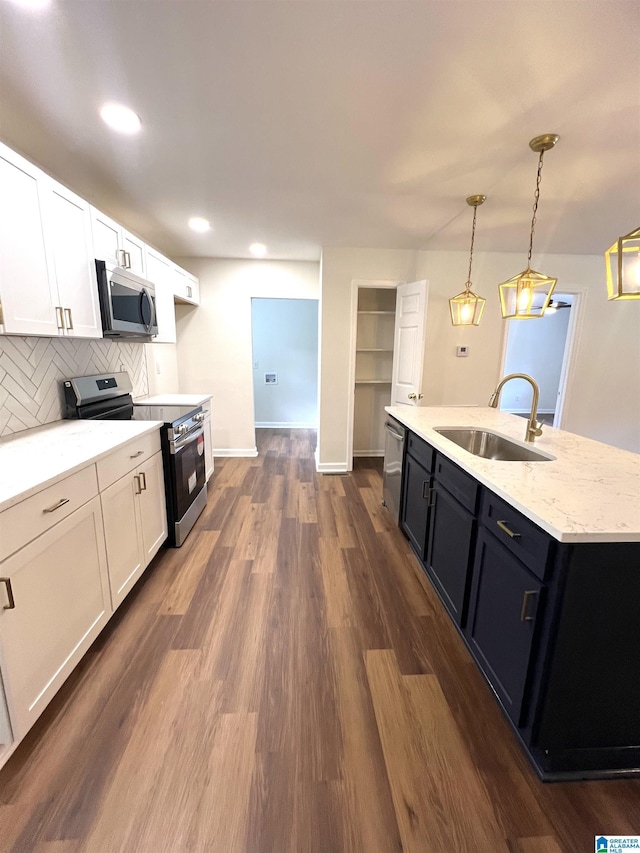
518,294
466,308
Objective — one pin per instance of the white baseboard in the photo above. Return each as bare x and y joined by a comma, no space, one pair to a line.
235,451
330,467
368,452
284,425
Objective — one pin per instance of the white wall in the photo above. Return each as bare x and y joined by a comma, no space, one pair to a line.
535,347
603,394
285,342
162,368
214,340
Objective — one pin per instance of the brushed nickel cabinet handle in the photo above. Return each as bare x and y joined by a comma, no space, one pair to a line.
12,603
128,259
143,481
69,317
137,479
425,490
135,455
503,526
525,602
122,258
60,503
60,316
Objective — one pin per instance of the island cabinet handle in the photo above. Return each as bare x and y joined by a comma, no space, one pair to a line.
135,455
60,503
138,486
12,603
525,602
503,526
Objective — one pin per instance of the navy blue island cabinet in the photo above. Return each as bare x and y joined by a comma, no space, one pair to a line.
553,626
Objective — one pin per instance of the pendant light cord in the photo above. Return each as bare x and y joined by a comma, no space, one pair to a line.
535,210
473,237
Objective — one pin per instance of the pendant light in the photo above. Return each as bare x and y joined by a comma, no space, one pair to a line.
466,308
518,294
623,267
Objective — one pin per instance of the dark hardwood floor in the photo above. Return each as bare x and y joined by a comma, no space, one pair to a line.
286,682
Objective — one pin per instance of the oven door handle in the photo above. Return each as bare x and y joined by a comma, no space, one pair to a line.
179,444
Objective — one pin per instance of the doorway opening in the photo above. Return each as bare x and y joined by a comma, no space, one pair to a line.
285,362
543,349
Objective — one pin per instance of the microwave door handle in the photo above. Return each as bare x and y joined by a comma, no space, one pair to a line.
144,294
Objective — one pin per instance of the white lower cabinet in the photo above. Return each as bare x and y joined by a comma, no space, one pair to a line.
208,440
55,601
135,524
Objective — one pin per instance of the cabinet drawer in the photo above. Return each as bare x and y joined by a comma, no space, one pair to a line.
25,521
463,487
522,537
420,450
127,458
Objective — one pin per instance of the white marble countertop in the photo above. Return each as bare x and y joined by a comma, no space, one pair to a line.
172,400
590,492
37,458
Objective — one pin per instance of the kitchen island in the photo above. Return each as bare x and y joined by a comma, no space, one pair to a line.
538,565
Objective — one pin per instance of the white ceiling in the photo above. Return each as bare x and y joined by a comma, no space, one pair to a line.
307,123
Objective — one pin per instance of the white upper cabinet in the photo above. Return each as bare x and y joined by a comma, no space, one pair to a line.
68,226
27,289
186,287
47,271
160,273
117,246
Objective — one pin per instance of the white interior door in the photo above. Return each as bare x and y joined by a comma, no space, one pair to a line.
408,344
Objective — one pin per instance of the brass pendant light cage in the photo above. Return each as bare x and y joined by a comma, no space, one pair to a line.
623,267
527,295
466,308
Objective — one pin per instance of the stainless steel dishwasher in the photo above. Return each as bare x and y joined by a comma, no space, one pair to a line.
394,438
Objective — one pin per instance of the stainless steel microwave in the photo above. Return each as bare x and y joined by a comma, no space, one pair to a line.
127,303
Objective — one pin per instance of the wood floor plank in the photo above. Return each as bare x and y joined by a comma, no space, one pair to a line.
337,595
541,844
430,773
142,764
186,578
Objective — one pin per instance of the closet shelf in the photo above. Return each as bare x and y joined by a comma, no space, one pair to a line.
388,313
373,349
373,382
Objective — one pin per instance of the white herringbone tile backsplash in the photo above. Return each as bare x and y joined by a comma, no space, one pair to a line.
31,370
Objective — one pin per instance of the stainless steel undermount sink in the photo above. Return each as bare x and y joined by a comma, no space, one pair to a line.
491,445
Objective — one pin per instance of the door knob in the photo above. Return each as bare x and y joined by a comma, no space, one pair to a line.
414,396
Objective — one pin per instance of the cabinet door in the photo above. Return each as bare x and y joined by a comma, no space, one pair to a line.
125,555
61,604
505,608
107,238
193,289
153,512
415,504
5,727
68,229
27,288
159,272
135,253
451,535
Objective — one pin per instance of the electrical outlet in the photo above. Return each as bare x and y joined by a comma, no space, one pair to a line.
158,368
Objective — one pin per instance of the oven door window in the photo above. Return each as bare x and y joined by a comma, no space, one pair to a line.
189,466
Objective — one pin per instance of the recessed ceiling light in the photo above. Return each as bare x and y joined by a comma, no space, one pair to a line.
32,4
258,249
197,223
121,118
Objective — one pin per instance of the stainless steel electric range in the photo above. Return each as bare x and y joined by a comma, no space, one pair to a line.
108,397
